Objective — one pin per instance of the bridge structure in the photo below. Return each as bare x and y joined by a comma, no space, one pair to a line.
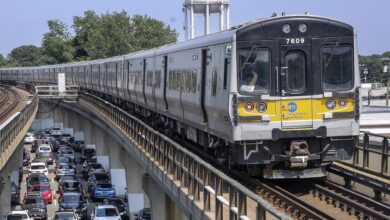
155,165
174,182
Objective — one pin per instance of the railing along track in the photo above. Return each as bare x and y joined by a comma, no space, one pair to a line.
16,98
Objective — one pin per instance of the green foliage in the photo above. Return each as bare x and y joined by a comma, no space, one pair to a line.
3,61
57,44
149,33
374,65
27,55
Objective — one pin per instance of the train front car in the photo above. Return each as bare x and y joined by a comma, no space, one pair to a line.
297,103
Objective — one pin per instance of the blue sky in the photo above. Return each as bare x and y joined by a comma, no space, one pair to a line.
23,22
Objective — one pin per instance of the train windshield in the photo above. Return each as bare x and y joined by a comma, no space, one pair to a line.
254,70
337,68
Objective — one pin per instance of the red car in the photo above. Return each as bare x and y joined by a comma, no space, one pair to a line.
45,191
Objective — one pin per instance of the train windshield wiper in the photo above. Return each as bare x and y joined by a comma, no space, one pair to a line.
332,54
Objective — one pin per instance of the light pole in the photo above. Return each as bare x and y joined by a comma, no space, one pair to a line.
386,71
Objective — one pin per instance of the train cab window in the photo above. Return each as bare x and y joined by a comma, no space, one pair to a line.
337,68
254,66
296,75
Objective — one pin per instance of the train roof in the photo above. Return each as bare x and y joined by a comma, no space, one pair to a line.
217,38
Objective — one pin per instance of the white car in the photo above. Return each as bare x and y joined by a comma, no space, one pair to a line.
19,214
29,138
56,132
105,212
38,167
44,148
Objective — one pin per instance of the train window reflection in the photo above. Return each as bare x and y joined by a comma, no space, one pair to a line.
296,77
337,68
254,66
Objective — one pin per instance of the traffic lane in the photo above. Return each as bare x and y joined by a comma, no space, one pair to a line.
53,207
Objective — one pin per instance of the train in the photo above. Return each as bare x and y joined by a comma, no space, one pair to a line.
276,97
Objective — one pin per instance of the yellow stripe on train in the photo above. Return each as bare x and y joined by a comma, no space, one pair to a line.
292,110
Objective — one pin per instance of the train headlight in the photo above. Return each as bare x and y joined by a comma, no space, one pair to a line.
261,107
249,106
303,28
331,104
286,28
343,103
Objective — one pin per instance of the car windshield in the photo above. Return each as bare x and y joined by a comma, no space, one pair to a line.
40,188
89,151
45,154
64,159
101,177
71,184
65,166
44,148
37,179
35,200
96,166
106,212
64,216
104,185
16,216
71,198
38,167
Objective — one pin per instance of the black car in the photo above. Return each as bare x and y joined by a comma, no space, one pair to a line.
78,146
91,168
119,204
34,146
15,193
71,186
26,158
143,214
93,177
89,152
34,203
71,201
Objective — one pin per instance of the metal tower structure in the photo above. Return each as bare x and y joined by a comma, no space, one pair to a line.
205,7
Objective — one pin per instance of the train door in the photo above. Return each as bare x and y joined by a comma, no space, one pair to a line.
165,81
203,84
296,87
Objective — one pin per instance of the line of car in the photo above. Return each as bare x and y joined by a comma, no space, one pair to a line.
72,197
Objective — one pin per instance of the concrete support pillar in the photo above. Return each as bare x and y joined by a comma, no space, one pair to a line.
207,20
134,175
162,207
89,132
115,151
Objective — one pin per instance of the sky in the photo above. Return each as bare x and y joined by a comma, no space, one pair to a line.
23,22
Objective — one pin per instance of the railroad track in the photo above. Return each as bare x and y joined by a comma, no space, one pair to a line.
9,101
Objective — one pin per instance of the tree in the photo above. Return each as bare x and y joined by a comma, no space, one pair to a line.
113,34
27,55
149,33
57,43
3,61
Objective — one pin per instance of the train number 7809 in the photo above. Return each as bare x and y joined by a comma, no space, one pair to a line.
295,40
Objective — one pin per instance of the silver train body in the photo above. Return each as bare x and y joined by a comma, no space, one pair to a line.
300,113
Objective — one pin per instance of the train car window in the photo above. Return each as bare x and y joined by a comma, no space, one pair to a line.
337,67
296,77
254,70
225,71
194,80
214,82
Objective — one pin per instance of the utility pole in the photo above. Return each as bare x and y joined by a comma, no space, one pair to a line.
386,71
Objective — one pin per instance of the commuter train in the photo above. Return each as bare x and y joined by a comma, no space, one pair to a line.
276,97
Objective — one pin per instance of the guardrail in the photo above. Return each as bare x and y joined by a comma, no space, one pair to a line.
52,91
206,192
13,130
369,150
